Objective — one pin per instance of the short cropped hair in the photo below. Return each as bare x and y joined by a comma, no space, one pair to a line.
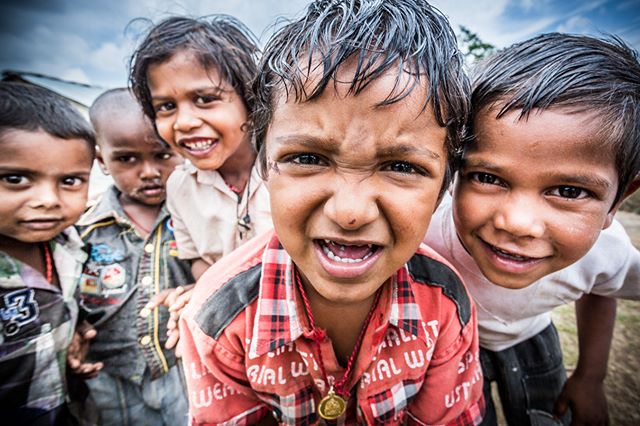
574,72
219,41
31,108
120,99
403,36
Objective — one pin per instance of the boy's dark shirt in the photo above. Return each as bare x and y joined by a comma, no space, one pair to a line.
123,272
37,321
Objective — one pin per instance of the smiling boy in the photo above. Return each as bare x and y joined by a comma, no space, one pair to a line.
555,150
339,315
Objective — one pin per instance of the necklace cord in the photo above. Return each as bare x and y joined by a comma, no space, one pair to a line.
48,262
318,336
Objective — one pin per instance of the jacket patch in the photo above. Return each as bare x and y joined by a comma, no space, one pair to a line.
20,308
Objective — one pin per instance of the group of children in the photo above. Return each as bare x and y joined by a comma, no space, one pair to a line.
375,237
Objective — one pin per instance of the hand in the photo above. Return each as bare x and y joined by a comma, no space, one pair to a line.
587,400
175,300
77,352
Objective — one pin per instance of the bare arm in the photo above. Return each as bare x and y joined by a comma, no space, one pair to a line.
198,267
584,390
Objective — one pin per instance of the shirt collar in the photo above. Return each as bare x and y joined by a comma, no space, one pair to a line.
214,178
109,207
278,321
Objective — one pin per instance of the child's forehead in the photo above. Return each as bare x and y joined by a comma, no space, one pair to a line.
544,133
197,63
21,145
392,85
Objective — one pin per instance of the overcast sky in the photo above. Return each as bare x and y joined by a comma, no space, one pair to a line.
90,42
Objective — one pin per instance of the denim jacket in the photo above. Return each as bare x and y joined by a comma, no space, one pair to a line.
123,272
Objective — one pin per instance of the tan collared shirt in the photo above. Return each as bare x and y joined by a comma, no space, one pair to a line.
205,212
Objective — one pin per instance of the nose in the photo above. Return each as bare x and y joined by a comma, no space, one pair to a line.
149,170
45,196
186,119
353,204
520,216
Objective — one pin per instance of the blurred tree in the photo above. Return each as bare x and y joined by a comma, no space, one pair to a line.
473,47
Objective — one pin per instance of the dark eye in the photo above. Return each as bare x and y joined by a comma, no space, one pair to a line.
164,107
14,179
402,167
485,178
206,99
72,181
164,156
305,159
126,159
571,192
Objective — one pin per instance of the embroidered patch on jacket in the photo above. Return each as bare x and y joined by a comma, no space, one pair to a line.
20,308
104,254
113,276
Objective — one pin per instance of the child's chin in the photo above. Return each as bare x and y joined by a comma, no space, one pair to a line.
150,201
40,237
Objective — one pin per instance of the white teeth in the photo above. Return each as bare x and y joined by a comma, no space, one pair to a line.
199,145
337,258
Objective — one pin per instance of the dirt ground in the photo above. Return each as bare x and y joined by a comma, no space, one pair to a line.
623,379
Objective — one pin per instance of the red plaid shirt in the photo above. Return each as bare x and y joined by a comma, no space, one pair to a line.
247,351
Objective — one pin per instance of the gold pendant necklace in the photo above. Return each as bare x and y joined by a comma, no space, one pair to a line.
332,406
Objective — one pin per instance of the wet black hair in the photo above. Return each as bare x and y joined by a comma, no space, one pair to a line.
31,108
401,36
577,73
217,41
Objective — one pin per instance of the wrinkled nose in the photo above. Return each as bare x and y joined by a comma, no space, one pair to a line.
353,204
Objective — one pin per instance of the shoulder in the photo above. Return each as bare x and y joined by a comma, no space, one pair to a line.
10,271
228,287
433,275
107,207
181,174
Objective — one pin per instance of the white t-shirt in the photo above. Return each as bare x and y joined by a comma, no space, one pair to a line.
205,212
507,316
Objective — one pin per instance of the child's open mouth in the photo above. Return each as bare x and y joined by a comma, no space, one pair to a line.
199,146
347,253
344,260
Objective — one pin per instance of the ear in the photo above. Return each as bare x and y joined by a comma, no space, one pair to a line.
100,159
633,187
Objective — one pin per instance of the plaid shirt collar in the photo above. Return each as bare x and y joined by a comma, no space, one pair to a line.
278,321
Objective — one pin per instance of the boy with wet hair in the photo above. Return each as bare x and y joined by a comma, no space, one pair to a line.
46,152
133,259
555,149
340,315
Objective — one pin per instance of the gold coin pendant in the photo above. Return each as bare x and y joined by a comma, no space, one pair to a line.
332,406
